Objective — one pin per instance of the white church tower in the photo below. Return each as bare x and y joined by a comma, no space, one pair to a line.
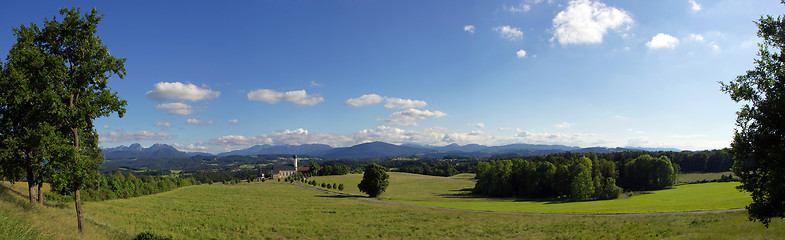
295,163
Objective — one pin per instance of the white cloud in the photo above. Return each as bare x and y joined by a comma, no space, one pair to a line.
409,117
195,121
390,102
714,46
176,108
106,127
115,136
480,125
585,21
564,125
404,103
436,136
469,28
696,37
163,125
517,9
315,84
662,40
234,121
521,53
190,147
504,129
364,100
568,139
299,98
179,91
509,33
694,5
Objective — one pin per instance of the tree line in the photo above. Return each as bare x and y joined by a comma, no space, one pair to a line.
577,177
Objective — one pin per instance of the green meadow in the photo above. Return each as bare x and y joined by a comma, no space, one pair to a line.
274,210
455,192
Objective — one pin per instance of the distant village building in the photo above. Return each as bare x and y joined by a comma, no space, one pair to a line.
284,171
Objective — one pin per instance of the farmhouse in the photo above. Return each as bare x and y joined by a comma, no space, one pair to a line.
283,171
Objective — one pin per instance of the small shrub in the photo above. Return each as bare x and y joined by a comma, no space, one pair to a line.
151,236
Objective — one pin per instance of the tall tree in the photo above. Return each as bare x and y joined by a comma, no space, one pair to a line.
26,93
758,147
375,180
81,85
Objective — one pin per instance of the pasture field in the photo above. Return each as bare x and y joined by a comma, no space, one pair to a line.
694,177
455,192
281,210
275,210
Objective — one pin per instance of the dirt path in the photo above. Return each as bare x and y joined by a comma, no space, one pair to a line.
519,213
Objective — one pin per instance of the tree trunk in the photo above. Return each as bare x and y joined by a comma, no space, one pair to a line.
31,186
79,217
77,196
40,193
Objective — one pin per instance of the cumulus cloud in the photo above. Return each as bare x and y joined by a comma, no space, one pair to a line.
662,40
409,117
585,21
694,5
176,108
517,9
190,147
163,125
195,121
280,137
315,84
521,53
696,37
178,91
234,121
299,98
564,125
364,100
469,28
479,125
116,136
509,33
436,136
390,102
569,139
404,103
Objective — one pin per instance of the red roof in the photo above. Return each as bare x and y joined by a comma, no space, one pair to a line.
302,169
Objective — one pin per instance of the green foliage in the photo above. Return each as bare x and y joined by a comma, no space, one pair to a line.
151,236
375,180
649,173
340,187
759,143
579,179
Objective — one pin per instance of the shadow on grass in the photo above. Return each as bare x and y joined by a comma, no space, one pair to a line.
11,195
466,193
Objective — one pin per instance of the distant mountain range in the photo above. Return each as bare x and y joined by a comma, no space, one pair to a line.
368,150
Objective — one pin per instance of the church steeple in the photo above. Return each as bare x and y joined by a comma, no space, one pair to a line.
295,162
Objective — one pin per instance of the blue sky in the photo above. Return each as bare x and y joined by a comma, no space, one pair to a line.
214,76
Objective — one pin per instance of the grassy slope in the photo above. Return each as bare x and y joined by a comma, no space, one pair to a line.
20,221
453,192
280,210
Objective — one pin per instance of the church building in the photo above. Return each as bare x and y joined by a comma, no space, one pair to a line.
284,171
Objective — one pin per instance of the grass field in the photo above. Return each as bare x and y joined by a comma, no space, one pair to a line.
275,210
455,192
694,177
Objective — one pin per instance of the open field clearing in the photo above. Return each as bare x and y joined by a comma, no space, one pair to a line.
279,210
694,177
455,192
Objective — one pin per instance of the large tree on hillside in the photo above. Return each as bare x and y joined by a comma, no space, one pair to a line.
27,135
77,67
375,180
758,147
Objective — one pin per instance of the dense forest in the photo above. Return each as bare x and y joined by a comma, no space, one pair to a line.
587,176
